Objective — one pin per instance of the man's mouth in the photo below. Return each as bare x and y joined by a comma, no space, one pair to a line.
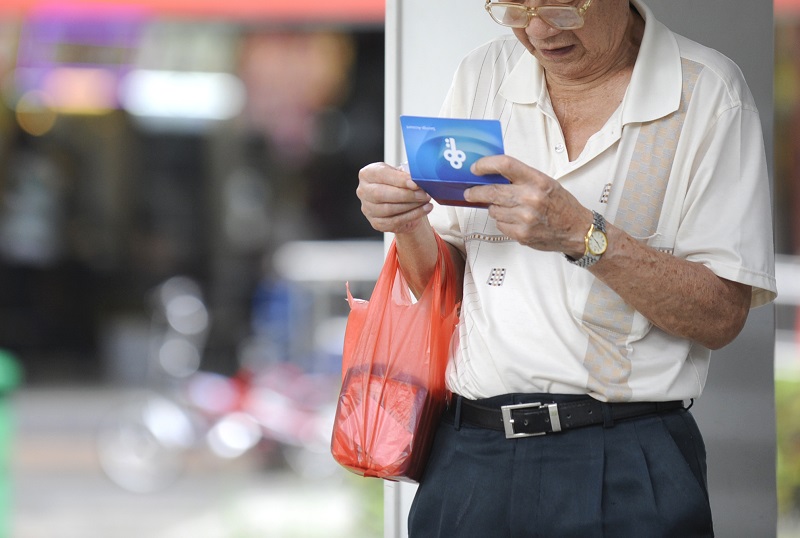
556,52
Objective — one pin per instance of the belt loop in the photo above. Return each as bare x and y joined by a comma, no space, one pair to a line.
608,417
457,418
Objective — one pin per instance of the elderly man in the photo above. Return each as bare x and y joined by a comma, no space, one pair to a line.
633,238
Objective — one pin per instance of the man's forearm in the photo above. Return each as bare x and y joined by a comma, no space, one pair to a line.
683,298
417,253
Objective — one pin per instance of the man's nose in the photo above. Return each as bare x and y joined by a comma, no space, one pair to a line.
538,29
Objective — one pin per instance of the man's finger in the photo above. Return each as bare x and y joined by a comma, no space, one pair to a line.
510,168
396,195
399,222
385,184
389,175
494,194
389,209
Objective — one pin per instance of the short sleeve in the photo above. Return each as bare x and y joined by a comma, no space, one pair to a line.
727,220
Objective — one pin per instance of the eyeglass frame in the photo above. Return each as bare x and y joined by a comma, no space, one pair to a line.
533,12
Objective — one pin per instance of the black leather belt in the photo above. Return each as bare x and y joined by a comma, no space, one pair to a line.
527,419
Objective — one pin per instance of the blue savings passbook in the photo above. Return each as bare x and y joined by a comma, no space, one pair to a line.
441,150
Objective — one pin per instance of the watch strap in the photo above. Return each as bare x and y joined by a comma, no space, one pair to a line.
588,259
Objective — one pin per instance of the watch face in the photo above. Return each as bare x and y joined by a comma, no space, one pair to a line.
597,243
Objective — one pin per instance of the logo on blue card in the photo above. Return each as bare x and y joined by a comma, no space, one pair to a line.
453,155
441,151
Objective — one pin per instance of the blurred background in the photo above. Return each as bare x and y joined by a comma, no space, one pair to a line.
787,218
177,223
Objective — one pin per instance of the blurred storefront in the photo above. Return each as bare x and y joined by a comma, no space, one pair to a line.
787,126
161,138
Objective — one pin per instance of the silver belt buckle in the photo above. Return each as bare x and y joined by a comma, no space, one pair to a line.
508,422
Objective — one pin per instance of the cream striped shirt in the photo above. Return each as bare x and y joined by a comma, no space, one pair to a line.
680,165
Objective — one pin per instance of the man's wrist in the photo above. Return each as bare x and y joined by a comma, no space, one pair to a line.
595,243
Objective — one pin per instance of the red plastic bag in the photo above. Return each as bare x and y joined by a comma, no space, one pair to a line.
393,367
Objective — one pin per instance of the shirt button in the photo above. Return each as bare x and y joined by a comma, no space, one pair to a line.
559,148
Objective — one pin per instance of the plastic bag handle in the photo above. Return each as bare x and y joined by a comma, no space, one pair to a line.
444,292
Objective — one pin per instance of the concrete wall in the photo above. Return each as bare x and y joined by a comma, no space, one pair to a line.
425,40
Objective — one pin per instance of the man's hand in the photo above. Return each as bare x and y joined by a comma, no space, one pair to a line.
533,209
390,200
393,203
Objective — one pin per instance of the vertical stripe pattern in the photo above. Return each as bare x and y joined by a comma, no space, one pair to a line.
607,318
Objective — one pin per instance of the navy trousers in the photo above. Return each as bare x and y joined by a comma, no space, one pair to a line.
640,478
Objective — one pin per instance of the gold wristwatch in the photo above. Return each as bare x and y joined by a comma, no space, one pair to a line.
596,243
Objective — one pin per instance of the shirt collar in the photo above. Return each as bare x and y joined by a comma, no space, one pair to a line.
655,87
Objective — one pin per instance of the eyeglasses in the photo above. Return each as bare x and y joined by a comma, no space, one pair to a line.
519,16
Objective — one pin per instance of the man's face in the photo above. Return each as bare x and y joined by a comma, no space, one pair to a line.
579,54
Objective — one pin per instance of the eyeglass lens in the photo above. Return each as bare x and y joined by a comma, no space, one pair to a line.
561,17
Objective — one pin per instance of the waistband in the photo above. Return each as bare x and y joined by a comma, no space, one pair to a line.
525,415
